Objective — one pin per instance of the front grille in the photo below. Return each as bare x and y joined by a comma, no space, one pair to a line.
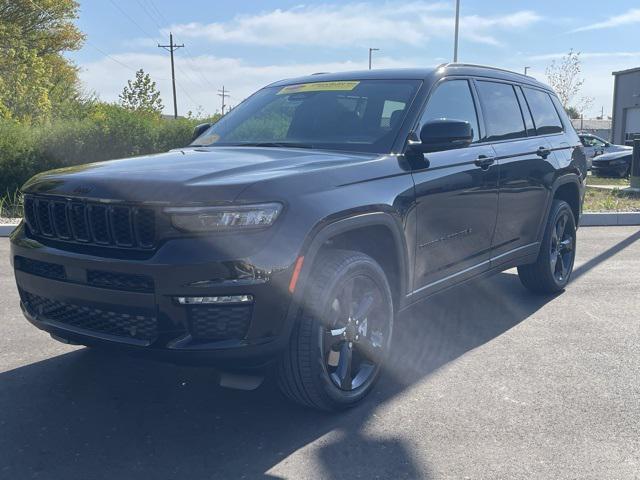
120,281
229,322
138,327
41,269
91,223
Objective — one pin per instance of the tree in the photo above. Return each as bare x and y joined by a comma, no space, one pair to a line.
572,112
141,94
34,74
564,77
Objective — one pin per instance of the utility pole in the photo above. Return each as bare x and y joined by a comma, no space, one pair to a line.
455,44
172,47
223,94
371,50
526,69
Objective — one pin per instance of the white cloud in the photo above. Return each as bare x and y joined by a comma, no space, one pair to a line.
200,77
630,17
349,24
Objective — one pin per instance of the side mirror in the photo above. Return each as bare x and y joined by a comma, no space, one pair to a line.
445,134
199,130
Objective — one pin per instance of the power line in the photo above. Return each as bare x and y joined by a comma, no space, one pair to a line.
133,21
89,43
149,14
205,79
186,92
157,10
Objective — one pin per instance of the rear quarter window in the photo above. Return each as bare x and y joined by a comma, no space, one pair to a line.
545,116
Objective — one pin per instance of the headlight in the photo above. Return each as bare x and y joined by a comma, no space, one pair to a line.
211,219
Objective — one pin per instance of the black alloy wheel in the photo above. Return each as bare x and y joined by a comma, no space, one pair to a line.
562,252
355,340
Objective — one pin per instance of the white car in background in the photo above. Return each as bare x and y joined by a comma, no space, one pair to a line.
594,146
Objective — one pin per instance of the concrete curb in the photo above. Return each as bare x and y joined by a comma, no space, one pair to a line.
5,230
609,219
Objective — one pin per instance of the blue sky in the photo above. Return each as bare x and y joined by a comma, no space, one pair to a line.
244,45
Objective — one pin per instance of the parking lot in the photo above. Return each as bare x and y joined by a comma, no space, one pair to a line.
487,381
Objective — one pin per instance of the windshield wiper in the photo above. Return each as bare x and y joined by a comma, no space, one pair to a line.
274,144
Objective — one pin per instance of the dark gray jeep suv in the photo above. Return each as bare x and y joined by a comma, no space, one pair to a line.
291,233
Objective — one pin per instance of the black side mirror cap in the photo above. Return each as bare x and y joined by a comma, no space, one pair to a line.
444,134
199,130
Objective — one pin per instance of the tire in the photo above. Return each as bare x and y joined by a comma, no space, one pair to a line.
552,270
337,346
626,173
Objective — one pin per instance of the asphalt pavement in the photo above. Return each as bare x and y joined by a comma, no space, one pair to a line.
487,381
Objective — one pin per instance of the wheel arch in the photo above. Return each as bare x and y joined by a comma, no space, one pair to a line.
568,188
374,234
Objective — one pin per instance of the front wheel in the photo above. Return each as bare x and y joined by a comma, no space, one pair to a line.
342,334
552,269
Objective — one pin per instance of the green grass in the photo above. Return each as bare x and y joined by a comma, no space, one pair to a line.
620,182
616,200
11,205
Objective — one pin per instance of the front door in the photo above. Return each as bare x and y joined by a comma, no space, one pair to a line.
456,196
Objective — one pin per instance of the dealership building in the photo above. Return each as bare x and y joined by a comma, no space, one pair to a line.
626,106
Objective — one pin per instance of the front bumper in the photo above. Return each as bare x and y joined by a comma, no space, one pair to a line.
608,169
132,304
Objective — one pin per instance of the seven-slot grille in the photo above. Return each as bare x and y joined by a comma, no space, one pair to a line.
91,223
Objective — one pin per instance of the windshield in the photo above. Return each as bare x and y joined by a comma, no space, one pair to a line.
362,115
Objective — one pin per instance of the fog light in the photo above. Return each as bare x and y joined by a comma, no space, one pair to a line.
223,299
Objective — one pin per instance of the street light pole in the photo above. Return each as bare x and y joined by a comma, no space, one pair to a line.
371,50
526,69
455,44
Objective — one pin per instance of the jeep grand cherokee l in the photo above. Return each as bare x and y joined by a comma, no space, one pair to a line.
292,232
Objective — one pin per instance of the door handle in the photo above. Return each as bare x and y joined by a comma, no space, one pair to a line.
484,162
543,152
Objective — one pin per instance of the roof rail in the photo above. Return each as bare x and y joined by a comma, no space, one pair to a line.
319,73
488,67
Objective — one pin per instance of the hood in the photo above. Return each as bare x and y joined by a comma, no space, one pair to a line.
618,148
194,175
605,157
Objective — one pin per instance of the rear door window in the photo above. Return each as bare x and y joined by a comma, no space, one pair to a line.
501,111
544,113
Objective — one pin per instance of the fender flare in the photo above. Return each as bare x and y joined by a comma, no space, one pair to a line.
560,181
324,231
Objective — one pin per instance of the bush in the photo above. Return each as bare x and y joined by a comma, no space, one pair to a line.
106,132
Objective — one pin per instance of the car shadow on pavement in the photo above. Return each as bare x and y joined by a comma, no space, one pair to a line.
93,415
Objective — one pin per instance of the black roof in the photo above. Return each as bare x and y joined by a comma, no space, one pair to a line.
416,74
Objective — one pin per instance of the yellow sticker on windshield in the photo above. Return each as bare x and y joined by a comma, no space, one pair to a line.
319,87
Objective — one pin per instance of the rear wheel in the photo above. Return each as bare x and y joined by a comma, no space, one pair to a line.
626,173
552,270
342,335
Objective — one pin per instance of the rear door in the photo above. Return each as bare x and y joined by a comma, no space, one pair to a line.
525,160
457,196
